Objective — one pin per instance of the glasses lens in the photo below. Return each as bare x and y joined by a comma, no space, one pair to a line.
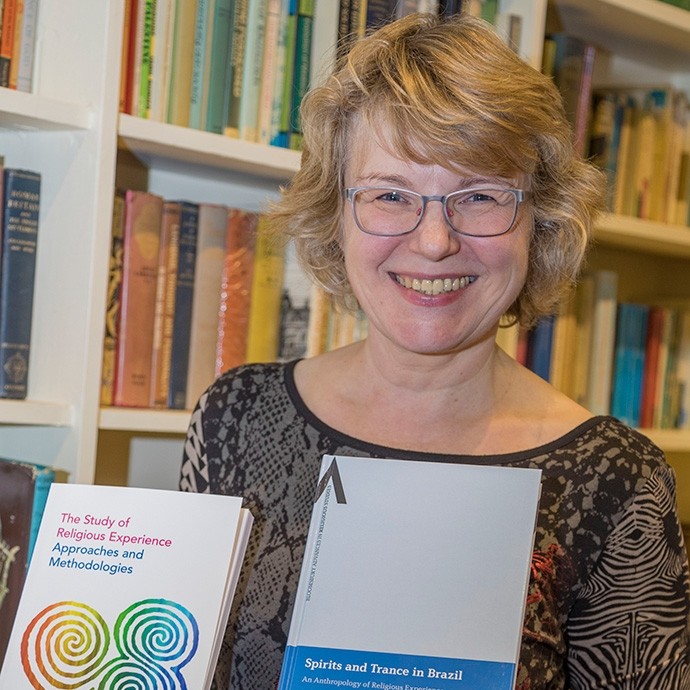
482,212
386,211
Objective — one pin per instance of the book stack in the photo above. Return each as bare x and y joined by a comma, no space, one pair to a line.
20,198
233,68
628,359
196,289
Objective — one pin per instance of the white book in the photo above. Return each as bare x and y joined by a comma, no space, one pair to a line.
415,575
127,588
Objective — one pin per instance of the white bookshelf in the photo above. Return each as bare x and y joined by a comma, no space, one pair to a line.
70,130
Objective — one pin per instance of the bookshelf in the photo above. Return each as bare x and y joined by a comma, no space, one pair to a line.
70,130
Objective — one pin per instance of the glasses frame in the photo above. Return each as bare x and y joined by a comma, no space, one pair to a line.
519,194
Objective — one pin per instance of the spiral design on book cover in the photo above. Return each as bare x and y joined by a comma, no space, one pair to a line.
68,646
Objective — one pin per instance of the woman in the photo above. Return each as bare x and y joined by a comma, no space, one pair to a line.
439,192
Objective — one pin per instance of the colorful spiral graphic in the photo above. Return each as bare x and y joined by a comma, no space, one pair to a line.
67,646
64,646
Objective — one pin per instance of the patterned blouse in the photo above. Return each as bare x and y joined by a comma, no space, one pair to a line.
609,597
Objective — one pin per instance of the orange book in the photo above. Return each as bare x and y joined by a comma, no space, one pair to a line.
235,290
165,303
141,245
9,16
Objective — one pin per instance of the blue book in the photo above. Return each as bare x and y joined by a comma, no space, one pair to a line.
540,340
20,212
184,292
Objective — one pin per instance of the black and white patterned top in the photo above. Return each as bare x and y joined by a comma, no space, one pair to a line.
609,597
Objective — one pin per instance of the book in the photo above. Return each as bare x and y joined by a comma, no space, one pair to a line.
182,59
281,127
274,26
233,93
166,286
294,308
182,315
134,346
21,199
267,285
8,17
23,493
408,527
161,59
302,69
27,46
252,68
127,55
112,304
200,61
236,289
208,271
539,344
127,588
601,344
146,59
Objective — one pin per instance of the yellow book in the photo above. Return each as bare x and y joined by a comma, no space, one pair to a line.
267,287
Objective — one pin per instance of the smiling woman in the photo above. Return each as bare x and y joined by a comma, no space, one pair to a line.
440,193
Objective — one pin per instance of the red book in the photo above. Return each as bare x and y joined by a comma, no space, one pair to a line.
655,328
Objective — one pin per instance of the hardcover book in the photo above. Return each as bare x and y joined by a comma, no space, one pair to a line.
23,492
415,575
126,588
18,241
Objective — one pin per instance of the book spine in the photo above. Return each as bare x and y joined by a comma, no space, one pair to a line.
184,292
213,222
236,290
182,60
234,95
165,303
9,11
127,56
141,243
44,477
282,136
161,55
144,100
16,43
20,220
112,308
302,70
267,285
201,39
221,50
252,68
269,70
27,46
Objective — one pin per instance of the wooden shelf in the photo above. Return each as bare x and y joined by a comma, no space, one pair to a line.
144,421
643,235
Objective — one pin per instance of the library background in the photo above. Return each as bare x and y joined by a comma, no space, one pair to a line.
154,150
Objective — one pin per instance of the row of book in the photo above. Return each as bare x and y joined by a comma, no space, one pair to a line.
639,135
233,68
20,196
194,290
18,20
628,359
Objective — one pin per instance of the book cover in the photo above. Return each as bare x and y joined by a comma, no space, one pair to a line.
182,315
402,528
281,126
21,198
127,55
147,54
267,286
236,289
302,69
126,588
161,49
112,305
165,303
200,61
140,248
23,493
274,51
208,272
27,46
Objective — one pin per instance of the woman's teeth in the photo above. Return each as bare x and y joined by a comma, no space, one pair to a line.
434,287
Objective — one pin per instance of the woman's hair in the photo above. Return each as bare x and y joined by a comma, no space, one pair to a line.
453,94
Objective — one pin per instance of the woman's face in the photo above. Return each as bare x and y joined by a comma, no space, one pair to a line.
482,276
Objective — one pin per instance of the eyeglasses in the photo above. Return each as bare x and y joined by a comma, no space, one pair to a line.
477,212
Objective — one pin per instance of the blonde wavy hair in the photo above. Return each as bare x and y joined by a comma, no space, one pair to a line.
453,94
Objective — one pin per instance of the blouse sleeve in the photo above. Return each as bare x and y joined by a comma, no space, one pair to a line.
194,474
630,625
